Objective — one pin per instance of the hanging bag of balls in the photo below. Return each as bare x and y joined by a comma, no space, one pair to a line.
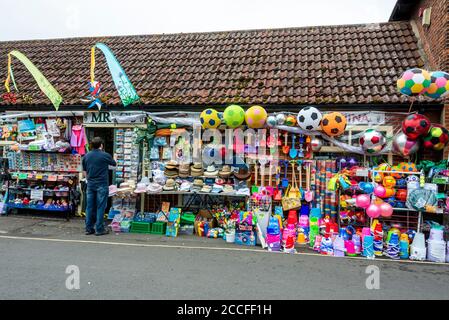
290,201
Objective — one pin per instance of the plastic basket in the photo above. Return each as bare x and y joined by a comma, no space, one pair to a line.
158,227
140,227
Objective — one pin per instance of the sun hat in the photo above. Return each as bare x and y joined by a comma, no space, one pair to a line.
172,164
219,181
196,169
112,190
243,191
198,182
154,188
184,170
228,189
206,189
216,188
225,172
124,187
185,186
211,171
141,188
243,174
169,185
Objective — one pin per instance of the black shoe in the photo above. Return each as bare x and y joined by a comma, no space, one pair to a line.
106,231
88,233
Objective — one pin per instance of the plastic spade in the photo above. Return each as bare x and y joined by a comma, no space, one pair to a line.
293,151
301,149
284,183
285,148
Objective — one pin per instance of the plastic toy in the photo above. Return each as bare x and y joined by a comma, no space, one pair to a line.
326,246
389,182
379,191
350,248
363,201
255,117
339,247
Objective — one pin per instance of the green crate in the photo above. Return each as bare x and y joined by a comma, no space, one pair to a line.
140,227
158,227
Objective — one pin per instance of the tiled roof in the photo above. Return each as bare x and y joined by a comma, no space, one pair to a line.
351,64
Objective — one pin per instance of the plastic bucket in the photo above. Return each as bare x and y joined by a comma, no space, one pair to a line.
230,237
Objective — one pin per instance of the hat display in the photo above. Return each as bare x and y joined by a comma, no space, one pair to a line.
154,188
141,188
206,189
145,181
198,182
169,185
219,181
216,188
184,170
211,171
243,174
225,172
172,164
185,186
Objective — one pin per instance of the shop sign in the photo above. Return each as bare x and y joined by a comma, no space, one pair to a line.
113,117
365,118
37,194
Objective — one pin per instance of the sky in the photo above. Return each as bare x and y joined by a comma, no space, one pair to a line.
45,19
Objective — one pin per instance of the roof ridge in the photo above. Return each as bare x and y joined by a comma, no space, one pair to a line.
209,32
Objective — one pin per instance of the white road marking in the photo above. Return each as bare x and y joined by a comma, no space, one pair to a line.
210,248
3,232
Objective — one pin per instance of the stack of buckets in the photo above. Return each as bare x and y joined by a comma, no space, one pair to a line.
436,246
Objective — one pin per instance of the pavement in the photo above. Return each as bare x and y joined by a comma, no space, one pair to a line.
36,252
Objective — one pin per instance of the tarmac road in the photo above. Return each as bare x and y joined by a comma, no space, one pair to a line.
34,255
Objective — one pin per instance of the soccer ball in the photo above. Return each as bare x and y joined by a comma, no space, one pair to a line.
255,117
437,138
210,119
271,121
309,118
415,126
439,85
413,82
407,167
372,141
280,119
290,121
333,124
234,116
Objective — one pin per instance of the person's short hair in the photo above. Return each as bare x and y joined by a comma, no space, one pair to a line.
96,142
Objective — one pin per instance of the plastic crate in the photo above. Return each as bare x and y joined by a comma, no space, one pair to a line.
140,227
158,227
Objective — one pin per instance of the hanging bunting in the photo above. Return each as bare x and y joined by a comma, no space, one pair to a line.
42,82
125,89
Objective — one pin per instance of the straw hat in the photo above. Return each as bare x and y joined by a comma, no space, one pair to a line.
228,188
196,170
211,171
169,185
172,164
225,172
198,182
184,170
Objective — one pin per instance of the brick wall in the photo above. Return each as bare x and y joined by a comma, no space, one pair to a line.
434,40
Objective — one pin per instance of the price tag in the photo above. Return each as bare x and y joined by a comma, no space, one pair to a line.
37,195
60,177
361,172
23,176
52,178
39,176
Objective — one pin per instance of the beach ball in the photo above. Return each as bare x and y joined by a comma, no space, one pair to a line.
404,146
439,85
210,119
290,121
280,119
234,116
401,195
363,201
271,121
372,141
437,138
379,191
415,126
333,124
255,117
378,176
413,82
309,118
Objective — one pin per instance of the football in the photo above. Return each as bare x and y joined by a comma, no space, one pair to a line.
210,119
415,126
372,141
309,118
333,124
437,138
439,85
413,82
407,167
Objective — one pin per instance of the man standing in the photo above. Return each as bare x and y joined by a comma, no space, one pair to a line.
96,169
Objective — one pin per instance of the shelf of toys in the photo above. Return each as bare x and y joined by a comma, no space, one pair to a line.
44,164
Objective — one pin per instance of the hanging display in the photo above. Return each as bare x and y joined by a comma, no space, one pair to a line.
437,138
439,85
234,116
309,118
372,141
413,82
210,119
404,146
415,126
334,124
